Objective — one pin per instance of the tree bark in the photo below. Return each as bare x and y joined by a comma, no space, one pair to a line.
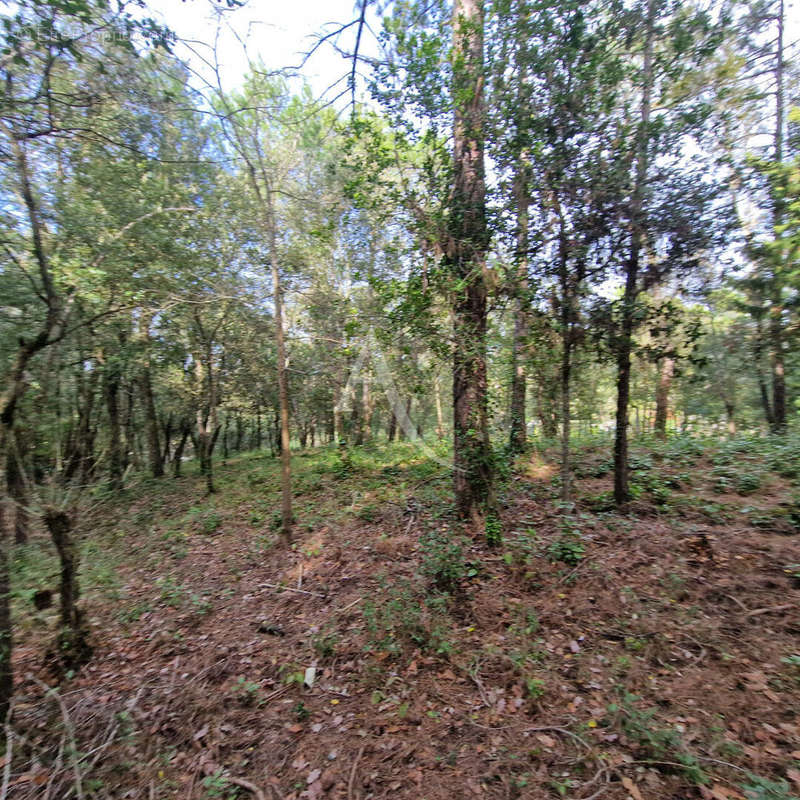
367,405
17,487
151,423
518,432
287,518
72,648
730,413
665,372
627,324
465,254
566,369
111,381
437,394
177,457
776,333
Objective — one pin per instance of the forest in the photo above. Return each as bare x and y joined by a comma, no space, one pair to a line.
433,434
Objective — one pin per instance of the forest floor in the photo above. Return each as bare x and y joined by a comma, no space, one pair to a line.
648,654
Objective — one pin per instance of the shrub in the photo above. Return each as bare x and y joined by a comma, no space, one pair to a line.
443,562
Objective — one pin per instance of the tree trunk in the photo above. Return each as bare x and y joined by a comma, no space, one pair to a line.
776,333
665,373
287,518
129,453
225,431
367,406
391,431
465,253
519,341
14,390
17,487
151,423
177,457
763,391
167,439
730,413
81,457
72,647
437,395
624,347
566,409
111,381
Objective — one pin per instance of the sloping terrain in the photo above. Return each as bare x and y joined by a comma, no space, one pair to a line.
649,654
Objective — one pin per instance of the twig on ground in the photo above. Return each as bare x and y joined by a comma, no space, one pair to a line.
289,589
350,605
758,611
557,729
352,780
738,603
76,769
56,768
251,787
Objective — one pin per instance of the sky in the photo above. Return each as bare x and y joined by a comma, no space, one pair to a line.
278,32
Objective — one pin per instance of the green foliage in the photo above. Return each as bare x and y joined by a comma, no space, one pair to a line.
404,618
758,788
494,530
443,562
324,645
249,692
658,742
218,786
568,548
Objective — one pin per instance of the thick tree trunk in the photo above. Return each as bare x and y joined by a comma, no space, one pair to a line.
239,432
287,518
14,390
151,423
177,457
776,333
17,487
665,372
518,432
625,344
72,647
465,253
567,321
405,429
391,431
111,381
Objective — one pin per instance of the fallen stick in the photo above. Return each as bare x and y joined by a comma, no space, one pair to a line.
350,605
289,589
351,782
758,611
69,728
251,787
